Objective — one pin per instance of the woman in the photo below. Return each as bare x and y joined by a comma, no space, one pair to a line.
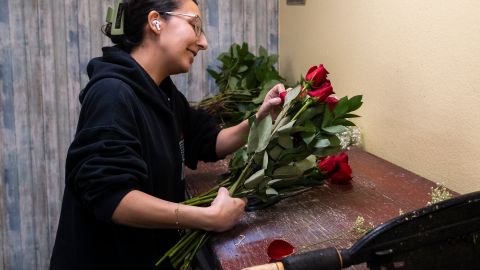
124,168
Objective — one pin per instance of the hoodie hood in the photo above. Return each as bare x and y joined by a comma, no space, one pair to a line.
118,64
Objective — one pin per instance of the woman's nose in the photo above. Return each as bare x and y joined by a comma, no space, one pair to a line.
202,42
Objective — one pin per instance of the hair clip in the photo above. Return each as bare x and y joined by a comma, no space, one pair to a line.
116,12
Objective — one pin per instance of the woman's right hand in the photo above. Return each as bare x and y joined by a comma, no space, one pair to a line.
225,211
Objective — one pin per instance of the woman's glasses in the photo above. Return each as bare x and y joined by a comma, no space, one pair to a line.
196,21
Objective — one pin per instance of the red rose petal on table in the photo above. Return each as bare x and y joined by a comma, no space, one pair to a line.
279,249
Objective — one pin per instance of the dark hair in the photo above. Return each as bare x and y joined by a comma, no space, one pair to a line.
135,18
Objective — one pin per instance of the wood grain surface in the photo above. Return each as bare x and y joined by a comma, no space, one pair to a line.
321,217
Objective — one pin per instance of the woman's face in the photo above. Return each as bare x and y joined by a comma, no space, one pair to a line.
180,38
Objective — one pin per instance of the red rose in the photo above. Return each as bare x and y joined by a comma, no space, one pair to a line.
343,175
316,76
327,165
342,157
336,168
331,101
322,92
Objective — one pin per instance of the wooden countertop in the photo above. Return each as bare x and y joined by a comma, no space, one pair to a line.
321,217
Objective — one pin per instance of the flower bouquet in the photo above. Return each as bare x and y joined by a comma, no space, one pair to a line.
299,149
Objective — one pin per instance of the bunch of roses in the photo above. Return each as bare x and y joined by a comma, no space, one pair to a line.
297,150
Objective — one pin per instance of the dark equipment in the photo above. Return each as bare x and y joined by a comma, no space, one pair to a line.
445,235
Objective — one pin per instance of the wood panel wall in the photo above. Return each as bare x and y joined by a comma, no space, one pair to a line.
45,46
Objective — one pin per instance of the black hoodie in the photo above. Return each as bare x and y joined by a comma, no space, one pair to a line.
131,135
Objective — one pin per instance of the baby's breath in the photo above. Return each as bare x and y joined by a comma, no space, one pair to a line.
439,193
352,136
359,228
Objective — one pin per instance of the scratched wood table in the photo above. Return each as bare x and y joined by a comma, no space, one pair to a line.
319,218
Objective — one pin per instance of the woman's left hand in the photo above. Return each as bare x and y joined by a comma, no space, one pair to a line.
271,103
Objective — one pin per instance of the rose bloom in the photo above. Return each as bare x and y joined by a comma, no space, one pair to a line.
336,168
331,101
317,76
322,92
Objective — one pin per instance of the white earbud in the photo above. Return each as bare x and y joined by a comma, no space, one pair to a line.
157,24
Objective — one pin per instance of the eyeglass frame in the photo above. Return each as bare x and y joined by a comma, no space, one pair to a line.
197,28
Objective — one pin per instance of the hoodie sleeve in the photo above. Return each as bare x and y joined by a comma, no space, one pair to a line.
104,161
201,139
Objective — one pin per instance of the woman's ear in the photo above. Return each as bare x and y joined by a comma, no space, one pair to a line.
155,22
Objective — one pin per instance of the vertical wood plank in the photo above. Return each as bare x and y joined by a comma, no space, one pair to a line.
22,230
34,191
225,21
73,61
50,123
61,90
7,139
250,24
84,37
213,25
97,19
237,16
272,30
261,24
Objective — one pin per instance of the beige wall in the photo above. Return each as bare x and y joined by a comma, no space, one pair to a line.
417,63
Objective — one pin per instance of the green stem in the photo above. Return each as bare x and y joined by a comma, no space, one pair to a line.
186,239
304,107
201,243
196,200
203,202
242,177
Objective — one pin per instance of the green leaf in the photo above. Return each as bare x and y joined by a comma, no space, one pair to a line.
286,128
265,160
355,103
334,141
306,164
307,127
327,118
232,83
235,51
327,151
275,152
351,115
239,158
310,113
308,137
282,183
272,59
341,107
293,154
259,135
343,122
292,94
287,171
271,192
285,141
242,69
282,121
334,129
213,73
322,143
262,51
255,179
